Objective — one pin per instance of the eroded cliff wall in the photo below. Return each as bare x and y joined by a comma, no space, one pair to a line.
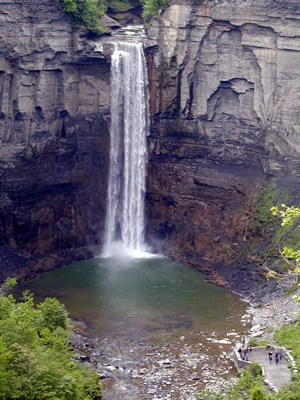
224,100
225,84
54,103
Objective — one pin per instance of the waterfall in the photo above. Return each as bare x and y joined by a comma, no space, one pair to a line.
128,151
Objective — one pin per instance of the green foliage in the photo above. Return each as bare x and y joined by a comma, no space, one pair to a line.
257,393
208,395
266,200
289,230
250,378
286,234
9,283
151,8
123,5
291,392
289,337
288,237
287,214
255,370
35,359
86,13
291,254
53,314
250,385
253,342
265,225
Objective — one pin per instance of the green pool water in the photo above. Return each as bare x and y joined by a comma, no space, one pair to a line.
132,297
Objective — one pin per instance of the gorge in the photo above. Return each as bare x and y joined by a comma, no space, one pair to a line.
224,127
223,85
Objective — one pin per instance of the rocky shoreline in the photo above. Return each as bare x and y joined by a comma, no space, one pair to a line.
141,370
147,371
144,371
272,312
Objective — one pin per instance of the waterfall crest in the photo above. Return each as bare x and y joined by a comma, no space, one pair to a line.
128,151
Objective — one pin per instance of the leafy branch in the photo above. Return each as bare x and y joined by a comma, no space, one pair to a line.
289,217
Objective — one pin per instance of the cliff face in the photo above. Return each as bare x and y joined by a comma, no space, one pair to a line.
54,103
225,84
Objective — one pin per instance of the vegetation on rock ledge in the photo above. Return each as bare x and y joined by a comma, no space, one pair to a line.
288,236
88,12
151,8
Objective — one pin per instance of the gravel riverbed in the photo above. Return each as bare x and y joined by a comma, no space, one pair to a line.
168,367
178,369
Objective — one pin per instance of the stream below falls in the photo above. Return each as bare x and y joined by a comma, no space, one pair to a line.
154,328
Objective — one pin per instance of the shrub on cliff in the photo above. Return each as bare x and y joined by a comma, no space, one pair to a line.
86,13
288,237
151,8
35,360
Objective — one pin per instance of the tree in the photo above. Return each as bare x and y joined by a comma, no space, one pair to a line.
53,314
86,13
257,393
289,217
151,8
36,362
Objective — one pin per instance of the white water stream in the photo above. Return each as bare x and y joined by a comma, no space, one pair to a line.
128,152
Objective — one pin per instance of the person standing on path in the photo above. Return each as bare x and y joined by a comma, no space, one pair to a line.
240,351
270,357
276,357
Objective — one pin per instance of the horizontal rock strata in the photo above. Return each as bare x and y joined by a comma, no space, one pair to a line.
224,86
54,106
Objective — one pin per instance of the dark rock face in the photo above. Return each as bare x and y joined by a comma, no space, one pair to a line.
54,107
224,86
126,13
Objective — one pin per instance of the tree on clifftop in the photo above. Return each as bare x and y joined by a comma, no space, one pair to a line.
86,13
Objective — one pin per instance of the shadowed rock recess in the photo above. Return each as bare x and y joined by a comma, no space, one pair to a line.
224,99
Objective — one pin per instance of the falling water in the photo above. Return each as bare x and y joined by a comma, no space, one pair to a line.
128,151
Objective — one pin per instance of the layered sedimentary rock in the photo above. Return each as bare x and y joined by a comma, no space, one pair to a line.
54,103
224,100
225,84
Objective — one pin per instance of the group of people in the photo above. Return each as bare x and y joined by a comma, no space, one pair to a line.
243,352
278,356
